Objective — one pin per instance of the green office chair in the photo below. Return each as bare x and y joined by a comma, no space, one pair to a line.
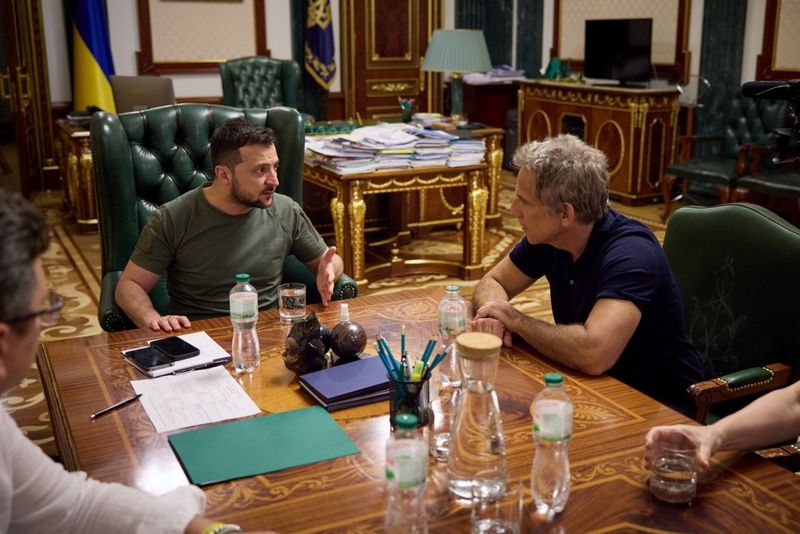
737,270
747,127
260,82
146,158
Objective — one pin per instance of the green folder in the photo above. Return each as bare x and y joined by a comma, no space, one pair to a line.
260,445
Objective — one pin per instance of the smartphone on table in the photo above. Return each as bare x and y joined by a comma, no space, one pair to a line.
160,353
175,348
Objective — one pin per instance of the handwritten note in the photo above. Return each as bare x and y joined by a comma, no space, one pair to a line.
193,398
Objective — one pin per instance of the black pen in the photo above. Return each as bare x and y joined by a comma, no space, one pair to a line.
208,365
114,406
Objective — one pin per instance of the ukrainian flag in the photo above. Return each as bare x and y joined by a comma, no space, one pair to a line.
91,55
319,60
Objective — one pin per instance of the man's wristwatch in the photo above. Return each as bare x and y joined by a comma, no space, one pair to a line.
221,528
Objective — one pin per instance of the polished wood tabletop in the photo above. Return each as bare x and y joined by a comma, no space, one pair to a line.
741,493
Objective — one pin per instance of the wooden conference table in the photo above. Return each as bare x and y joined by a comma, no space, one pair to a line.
743,493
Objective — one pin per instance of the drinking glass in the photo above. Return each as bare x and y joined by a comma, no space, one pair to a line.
673,476
292,302
500,513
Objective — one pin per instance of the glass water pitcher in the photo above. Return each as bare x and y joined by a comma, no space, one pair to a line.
477,447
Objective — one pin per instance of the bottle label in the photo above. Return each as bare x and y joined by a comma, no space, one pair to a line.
244,306
552,419
452,321
407,464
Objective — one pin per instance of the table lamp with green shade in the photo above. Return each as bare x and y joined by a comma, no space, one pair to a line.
457,52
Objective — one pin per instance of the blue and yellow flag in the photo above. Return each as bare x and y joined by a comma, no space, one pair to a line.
319,43
91,57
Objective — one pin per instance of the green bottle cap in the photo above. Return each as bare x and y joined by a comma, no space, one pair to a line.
553,379
242,278
406,421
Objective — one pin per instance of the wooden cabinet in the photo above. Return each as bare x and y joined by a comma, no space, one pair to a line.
489,103
635,128
74,153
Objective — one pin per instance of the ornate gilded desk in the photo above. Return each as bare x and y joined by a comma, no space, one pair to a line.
741,493
348,209
74,153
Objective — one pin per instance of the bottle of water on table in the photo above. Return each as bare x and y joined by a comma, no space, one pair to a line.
406,477
244,315
446,379
552,428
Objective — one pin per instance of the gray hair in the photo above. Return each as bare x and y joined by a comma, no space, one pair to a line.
24,236
567,170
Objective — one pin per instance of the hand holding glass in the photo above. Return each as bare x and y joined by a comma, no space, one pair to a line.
673,476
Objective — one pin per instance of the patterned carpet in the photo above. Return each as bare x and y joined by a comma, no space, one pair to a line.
73,261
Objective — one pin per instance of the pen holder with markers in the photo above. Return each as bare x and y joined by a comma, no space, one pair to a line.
409,379
406,396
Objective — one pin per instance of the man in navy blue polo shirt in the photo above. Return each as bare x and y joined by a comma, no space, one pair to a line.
615,302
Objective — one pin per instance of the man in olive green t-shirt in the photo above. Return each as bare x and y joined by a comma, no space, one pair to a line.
237,223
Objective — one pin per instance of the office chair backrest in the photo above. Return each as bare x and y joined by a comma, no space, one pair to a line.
748,120
137,93
737,269
259,82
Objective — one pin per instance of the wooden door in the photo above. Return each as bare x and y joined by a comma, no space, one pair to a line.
24,88
383,46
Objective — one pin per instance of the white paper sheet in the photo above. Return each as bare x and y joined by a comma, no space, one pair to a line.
193,398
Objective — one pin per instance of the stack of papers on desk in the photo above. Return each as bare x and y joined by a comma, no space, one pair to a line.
390,146
349,384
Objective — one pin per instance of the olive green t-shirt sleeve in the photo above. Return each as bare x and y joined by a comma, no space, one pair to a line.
307,244
153,251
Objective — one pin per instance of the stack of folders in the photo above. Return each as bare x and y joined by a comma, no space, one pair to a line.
350,384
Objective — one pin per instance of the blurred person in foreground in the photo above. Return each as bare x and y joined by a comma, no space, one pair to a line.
768,420
615,302
36,493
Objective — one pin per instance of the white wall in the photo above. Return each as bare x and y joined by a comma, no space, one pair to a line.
56,49
753,35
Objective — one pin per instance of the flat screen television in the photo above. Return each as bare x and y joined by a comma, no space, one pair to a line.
618,49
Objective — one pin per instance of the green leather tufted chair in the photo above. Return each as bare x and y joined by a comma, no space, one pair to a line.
737,269
143,159
259,82
748,124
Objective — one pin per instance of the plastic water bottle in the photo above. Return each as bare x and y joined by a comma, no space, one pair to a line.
244,314
406,477
552,428
445,384
452,315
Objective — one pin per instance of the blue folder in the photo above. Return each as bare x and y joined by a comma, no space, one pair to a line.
349,384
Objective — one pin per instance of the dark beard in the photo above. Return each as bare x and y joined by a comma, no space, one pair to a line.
241,200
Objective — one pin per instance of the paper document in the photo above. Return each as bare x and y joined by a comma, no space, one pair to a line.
211,353
194,398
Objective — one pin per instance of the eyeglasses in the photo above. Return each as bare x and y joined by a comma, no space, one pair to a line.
49,315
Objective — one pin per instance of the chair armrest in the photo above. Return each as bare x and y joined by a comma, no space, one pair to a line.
686,143
109,315
736,385
296,271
